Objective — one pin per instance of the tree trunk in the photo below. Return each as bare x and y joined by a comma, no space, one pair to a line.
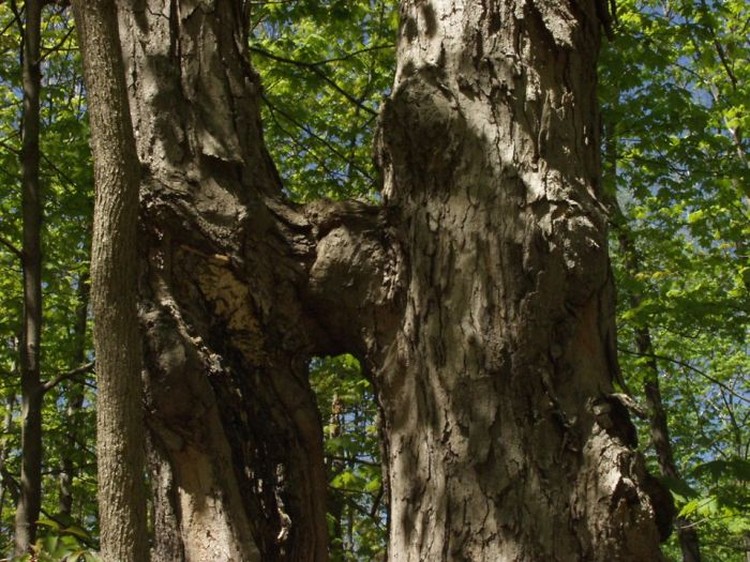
6,483
657,415
237,440
74,400
30,498
478,296
114,277
505,443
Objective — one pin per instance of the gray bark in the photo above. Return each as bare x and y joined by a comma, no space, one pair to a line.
30,497
478,296
505,443
114,275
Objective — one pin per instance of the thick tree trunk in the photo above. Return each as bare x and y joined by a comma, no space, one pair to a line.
479,296
237,441
505,443
114,277
30,499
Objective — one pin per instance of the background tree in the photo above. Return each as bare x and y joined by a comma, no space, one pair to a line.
63,198
30,496
681,180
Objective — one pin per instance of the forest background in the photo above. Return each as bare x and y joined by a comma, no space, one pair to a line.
674,90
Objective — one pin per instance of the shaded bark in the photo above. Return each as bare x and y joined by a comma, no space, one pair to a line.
120,432
478,296
30,498
231,412
505,443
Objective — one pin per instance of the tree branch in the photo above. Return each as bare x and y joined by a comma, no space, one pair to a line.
13,249
49,385
313,67
686,365
274,110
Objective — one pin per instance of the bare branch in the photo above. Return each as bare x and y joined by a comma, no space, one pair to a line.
49,385
690,367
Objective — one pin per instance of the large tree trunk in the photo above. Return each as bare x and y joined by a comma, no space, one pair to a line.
30,498
505,441
478,296
237,442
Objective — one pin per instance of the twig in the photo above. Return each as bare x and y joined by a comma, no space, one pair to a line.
13,249
687,366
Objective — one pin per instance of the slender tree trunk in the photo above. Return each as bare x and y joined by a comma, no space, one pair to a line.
478,296
74,400
29,503
5,448
657,416
114,275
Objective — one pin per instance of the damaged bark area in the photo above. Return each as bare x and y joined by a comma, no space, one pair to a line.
239,289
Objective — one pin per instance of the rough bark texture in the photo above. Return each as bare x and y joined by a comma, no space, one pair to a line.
505,443
237,443
478,296
30,498
114,276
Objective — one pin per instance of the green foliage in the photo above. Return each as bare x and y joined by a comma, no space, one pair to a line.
675,92
325,67
61,543
675,89
67,197
357,514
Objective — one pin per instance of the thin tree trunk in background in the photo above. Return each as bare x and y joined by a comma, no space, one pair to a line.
74,399
505,442
114,283
10,404
657,415
29,503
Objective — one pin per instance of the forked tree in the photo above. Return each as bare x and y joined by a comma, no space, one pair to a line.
477,295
